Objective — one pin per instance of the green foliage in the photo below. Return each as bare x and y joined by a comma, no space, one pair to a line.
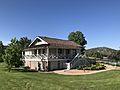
26,68
96,66
24,41
13,54
94,54
115,55
100,52
1,51
77,37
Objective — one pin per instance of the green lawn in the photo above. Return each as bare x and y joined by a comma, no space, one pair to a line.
109,80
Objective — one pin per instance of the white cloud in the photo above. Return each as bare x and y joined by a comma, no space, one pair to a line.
6,42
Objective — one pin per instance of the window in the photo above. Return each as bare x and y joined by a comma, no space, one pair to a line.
67,51
43,51
59,51
35,52
39,51
74,52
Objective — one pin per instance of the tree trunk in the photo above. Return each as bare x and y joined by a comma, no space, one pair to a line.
9,68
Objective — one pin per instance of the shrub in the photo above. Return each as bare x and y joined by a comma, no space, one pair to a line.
118,65
96,66
26,68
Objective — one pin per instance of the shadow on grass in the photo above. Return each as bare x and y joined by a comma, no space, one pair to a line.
22,70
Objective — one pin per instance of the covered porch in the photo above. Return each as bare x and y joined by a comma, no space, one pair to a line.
48,53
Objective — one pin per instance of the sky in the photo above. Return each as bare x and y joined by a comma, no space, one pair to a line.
98,20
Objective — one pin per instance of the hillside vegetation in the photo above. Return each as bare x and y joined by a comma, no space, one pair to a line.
100,52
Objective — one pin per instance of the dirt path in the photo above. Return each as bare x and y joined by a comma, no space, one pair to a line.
82,72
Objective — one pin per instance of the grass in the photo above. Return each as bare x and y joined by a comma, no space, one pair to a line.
14,80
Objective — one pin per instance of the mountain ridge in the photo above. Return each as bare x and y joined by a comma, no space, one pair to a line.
105,51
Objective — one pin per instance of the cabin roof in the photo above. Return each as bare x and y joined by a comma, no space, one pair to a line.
55,43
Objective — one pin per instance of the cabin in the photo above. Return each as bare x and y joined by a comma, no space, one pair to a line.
44,54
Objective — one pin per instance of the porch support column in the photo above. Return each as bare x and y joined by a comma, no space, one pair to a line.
22,53
64,53
57,52
47,52
37,52
41,51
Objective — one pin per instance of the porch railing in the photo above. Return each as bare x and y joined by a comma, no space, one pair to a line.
44,56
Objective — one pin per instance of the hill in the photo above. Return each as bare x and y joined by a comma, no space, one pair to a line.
104,51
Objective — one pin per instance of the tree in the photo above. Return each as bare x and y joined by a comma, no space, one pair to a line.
78,38
118,55
13,54
115,55
94,54
24,41
1,51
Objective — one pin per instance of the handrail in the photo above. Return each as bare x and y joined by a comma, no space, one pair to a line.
75,59
43,56
39,56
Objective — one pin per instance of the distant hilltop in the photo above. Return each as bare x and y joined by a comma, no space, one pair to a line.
102,50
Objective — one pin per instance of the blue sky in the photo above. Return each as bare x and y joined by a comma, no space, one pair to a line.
99,20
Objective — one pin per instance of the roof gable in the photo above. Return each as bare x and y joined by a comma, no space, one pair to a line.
54,43
37,41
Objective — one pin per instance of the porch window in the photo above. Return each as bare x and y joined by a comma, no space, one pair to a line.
59,51
35,52
60,54
74,52
67,51
43,51
39,51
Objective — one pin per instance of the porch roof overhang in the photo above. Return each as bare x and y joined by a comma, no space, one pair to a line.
52,46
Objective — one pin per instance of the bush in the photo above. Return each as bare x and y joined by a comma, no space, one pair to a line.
26,68
96,66
1,60
118,65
